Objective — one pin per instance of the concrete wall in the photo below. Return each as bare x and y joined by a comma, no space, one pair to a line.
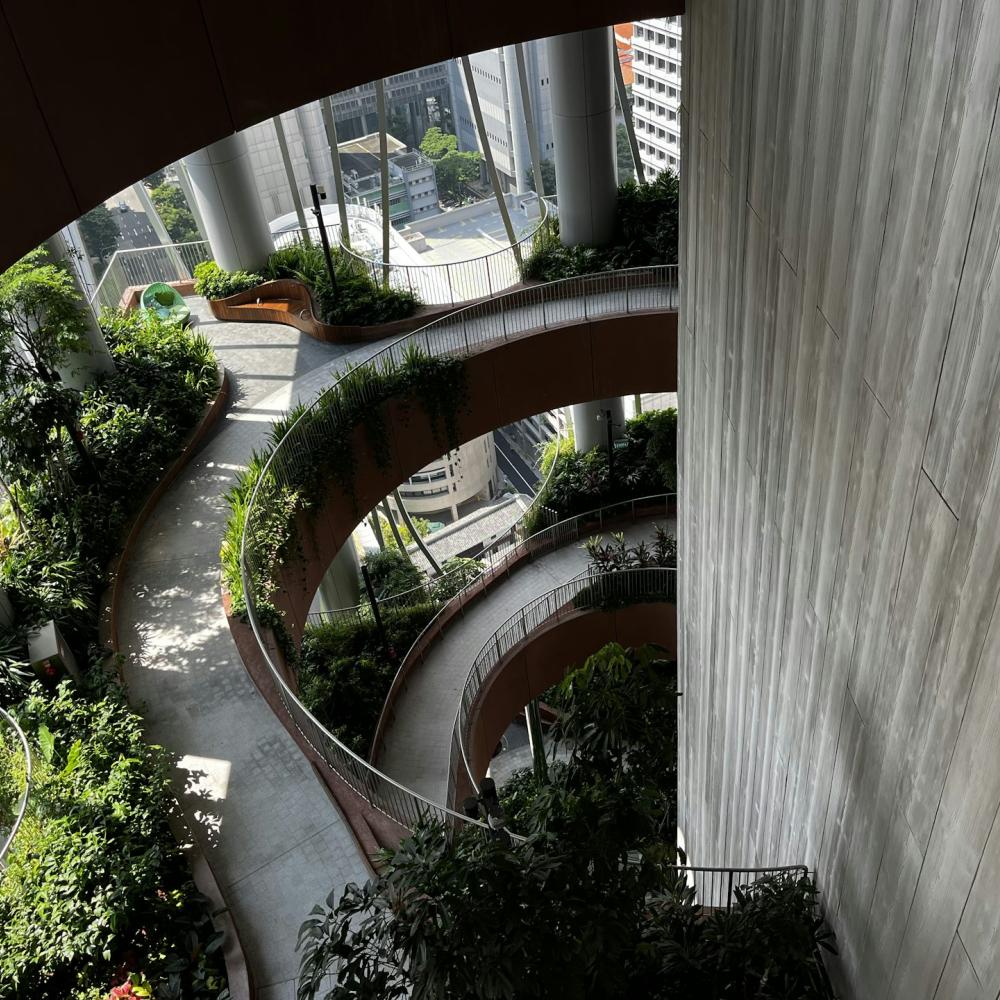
840,411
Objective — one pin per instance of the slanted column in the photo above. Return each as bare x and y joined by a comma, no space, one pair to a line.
583,125
590,422
81,367
224,188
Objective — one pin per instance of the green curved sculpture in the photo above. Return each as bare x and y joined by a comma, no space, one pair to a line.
167,303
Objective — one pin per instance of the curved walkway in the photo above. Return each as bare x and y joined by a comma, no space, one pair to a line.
261,816
416,750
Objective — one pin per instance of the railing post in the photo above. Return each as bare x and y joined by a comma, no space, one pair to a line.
729,894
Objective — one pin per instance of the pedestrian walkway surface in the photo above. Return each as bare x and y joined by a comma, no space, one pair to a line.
417,747
263,819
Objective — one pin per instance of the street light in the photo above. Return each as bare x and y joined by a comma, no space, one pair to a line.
318,212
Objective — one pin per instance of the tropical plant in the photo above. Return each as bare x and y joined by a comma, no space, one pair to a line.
456,574
646,234
345,670
215,283
392,572
94,878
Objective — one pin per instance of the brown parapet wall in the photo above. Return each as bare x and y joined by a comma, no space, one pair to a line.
614,356
542,659
372,829
290,302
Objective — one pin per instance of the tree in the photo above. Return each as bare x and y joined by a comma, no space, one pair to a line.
155,179
173,210
626,170
437,144
548,178
41,326
100,232
453,171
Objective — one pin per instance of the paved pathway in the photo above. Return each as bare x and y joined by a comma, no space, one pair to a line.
417,747
275,840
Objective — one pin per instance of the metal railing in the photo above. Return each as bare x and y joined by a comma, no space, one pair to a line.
502,557
716,887
21,740
587,592
294,460
167,262
450,283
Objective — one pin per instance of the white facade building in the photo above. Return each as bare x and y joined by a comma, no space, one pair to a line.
466,474
499,91
656,93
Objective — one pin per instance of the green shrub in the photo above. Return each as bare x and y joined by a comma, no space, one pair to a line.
645,235
456,574
95,882
392,572
215,283
345,671
645,465
357,300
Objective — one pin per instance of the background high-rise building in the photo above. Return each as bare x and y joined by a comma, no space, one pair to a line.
499,91
656,92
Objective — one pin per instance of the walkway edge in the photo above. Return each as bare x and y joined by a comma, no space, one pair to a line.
111,599
237,969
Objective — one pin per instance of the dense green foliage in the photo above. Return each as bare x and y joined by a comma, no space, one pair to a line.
358,399
215,283
356,300
589,906
623,154
452,169
548,169
96,887
345,670
100,232
76,478
645,464
392,572
174,213
645,234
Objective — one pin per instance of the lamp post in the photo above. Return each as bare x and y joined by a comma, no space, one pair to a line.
324,239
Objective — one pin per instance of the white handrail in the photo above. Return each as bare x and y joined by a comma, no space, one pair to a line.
23,804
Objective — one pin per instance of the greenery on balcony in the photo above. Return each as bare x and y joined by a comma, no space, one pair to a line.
359,398
357,298
645,464
589,906
645,234
97,887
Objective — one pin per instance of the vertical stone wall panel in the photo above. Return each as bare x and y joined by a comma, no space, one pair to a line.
840,421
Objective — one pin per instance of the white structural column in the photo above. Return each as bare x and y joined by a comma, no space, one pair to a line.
330,127
590,422
293,187
583,123
82,367
227,199
530,128
341,585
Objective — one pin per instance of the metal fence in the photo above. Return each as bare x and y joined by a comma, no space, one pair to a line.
716,887
450,283
10,730
168,262
589,591
295,457
502,557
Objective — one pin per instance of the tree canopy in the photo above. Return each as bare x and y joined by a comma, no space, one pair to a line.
100,232
173,210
